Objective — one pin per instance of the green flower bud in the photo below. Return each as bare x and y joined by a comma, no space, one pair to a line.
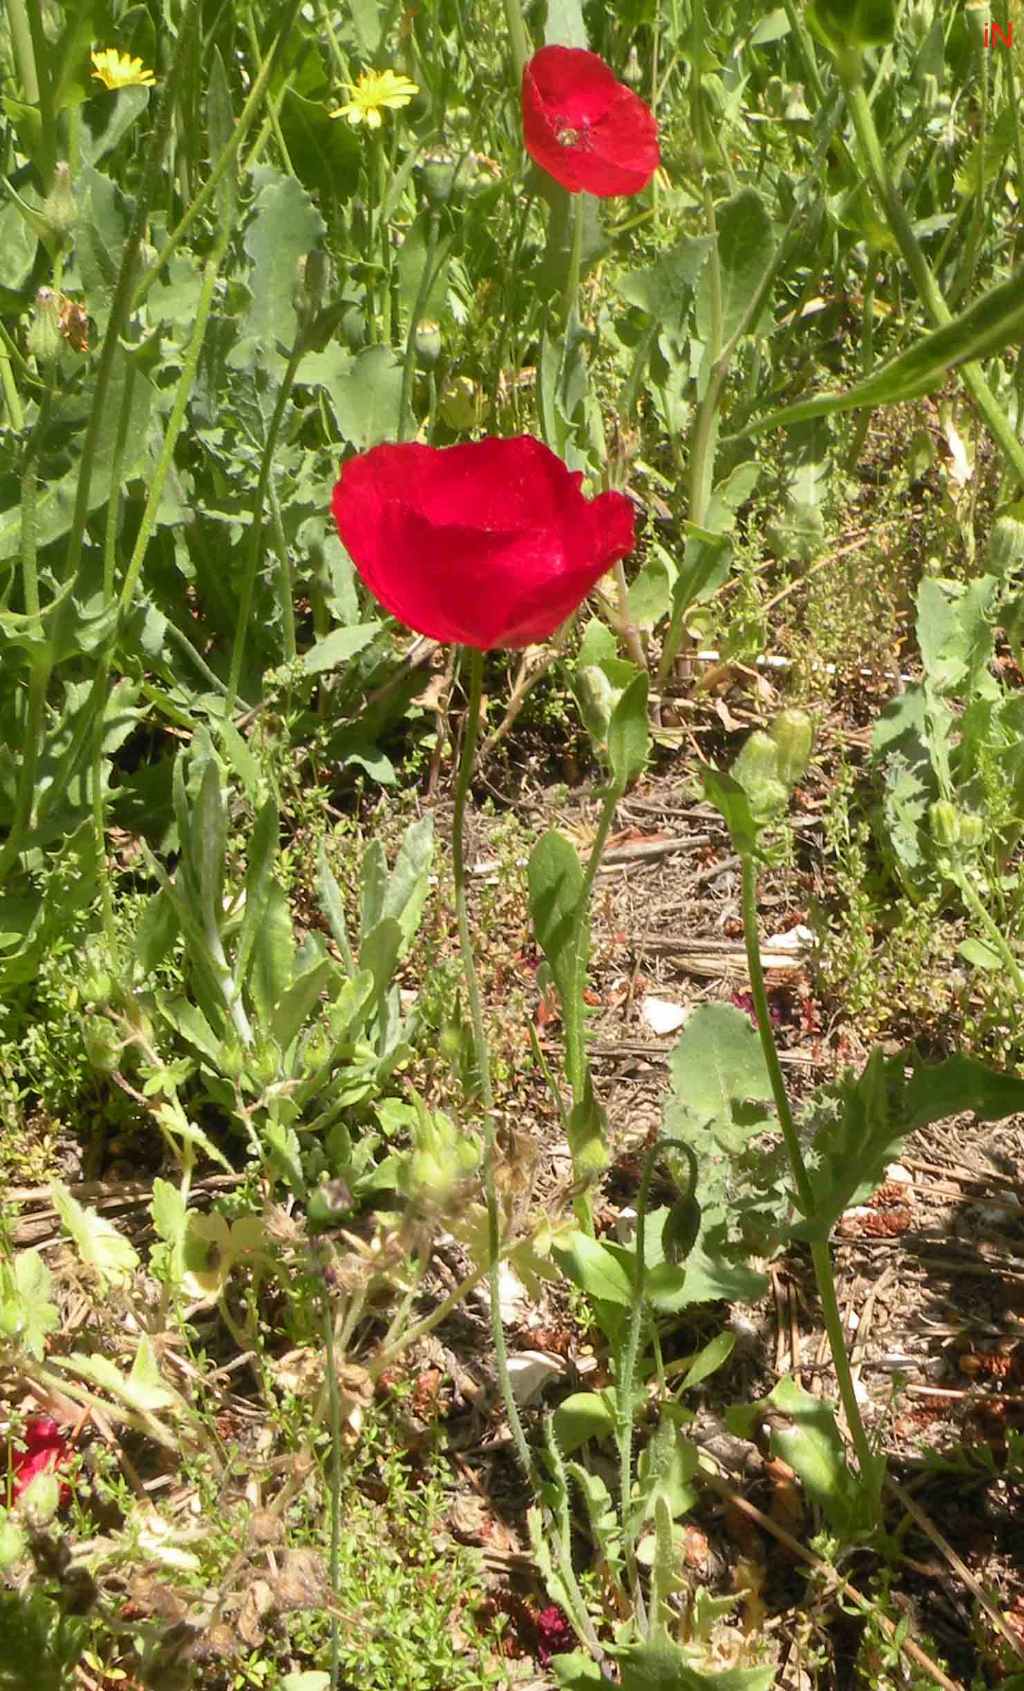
441,1156
633,74
40,1500
102,1046
44,338
427,341
793,733
972,830
438,178
757,771
59,204
12,1541
462,403
945,822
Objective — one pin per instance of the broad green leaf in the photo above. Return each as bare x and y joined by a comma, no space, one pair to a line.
411,263
295,1006
26,1313
364,390
325,152
577,1672
126,107
408,884
56,500
156,933
565,26
732,803
660,1665
663,288
956,633
582,1416
629,738
746,249
285,226
273,954
813,1448
209,844
993,323
337,647
666,1466
331,904
594,1268
980,954
259,873
101,1247
556,890
220,122
717,1351
100,229
938,1090
719,1075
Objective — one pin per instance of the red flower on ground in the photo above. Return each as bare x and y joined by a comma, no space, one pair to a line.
554,1634
488,543
45,1448
586,129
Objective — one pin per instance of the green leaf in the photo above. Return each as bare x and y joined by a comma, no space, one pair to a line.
746,249
594,1268
993,323
660,1665
583,1416
813,1448
629,739
936,1091
100,1246
26,1313
980,954
408,884
220,122
273,954
338,646
565,26
555,881
156,933
325,152
259,874
733,805
284,227
412,259
717,1351
956,633
56,501
662,289
295,1005
719,1075
666,1466
364,390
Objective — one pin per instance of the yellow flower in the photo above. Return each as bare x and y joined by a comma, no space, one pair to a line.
374,90
117,70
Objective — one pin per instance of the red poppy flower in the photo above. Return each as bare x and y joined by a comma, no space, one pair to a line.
588,131
45,1448
488,543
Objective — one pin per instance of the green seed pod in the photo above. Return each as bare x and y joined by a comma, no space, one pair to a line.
59,204
427,341
793,733
44,338
945,822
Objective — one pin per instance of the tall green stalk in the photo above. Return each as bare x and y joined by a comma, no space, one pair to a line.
821,1256
873,158
482,1052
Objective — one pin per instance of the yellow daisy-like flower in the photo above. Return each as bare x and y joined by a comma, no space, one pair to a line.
118,70
372,92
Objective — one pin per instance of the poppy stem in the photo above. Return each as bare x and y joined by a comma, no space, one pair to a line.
518,40
467,758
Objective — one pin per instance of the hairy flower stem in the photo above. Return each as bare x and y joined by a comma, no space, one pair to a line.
896,216
334,1484
974,903
121,304
820,1254
259,505
406,417
483,1057
624,1407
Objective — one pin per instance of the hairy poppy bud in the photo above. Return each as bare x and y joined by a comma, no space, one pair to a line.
59,205
972,830
102,1046
44,337
945,821
438,177
793,734
757,771
427,341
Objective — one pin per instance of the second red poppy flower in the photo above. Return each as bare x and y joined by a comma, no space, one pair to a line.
584,127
